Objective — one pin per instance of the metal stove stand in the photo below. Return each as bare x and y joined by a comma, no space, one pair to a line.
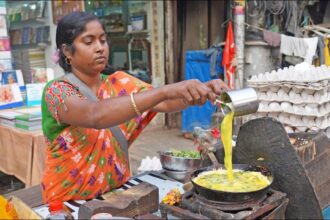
272,206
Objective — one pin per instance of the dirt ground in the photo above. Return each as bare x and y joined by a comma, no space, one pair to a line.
154,139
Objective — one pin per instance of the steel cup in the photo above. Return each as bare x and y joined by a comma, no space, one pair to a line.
241,101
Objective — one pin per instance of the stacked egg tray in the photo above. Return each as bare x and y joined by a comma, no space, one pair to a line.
298,96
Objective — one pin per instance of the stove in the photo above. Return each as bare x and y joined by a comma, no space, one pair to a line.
194,206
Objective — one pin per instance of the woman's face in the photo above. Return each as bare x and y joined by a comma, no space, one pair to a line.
91,50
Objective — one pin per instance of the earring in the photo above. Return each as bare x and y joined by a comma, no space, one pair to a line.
67,60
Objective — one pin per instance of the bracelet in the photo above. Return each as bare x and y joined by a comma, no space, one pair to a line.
134,105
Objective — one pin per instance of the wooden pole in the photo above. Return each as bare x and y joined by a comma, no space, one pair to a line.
170,54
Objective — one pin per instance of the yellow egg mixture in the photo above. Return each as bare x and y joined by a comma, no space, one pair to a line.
230,180
226,137
243,181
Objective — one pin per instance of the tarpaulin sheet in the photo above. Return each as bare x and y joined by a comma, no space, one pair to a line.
198,66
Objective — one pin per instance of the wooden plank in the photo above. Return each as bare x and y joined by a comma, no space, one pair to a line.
195,28
317,143
176,73
171,73
217,14
169,42
178,212
279,212
147,216
318,169
196,37
323,192
316,160
31,196
138,200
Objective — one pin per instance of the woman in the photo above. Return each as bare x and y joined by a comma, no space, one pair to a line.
84,159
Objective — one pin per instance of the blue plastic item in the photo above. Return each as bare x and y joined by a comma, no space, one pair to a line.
198,66
326,213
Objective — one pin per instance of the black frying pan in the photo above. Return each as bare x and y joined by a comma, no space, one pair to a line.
217,195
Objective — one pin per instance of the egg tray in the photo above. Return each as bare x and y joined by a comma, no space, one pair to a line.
295,96
288,86
299,109
307,85
302,124
301,73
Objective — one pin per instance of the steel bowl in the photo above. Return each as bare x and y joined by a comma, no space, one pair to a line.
181,176
170,162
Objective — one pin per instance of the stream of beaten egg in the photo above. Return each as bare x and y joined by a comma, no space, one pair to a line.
226,137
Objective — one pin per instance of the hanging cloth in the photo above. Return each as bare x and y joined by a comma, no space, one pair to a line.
321,48
272,38
326,53
301,47
229,57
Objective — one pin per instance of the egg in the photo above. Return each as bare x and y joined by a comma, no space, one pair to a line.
286,106
274,106
288,129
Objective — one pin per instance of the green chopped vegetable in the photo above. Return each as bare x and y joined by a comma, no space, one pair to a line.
186,154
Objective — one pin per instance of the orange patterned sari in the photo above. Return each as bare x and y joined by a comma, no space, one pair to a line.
83,163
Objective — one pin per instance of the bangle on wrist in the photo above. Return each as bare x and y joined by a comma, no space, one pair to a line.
134,104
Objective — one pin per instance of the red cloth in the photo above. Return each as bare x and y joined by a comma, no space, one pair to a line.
228,57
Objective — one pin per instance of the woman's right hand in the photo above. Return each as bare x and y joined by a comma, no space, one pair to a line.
191,92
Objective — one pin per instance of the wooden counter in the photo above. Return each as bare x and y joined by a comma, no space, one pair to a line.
23,154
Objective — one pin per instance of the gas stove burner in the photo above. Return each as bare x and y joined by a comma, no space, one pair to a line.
229,206
193,206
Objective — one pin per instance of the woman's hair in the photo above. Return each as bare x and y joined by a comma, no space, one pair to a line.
68,28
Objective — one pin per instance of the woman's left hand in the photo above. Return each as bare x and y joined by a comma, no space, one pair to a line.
217,86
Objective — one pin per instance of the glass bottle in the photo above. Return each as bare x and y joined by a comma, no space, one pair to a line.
57,211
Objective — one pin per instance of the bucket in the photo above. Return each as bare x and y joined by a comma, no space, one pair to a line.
241,101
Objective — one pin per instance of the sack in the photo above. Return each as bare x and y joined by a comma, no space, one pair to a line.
14,208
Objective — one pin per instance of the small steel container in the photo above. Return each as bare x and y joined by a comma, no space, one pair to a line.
241,101
181,176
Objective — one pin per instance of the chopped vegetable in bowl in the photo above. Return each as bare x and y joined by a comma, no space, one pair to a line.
186,154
